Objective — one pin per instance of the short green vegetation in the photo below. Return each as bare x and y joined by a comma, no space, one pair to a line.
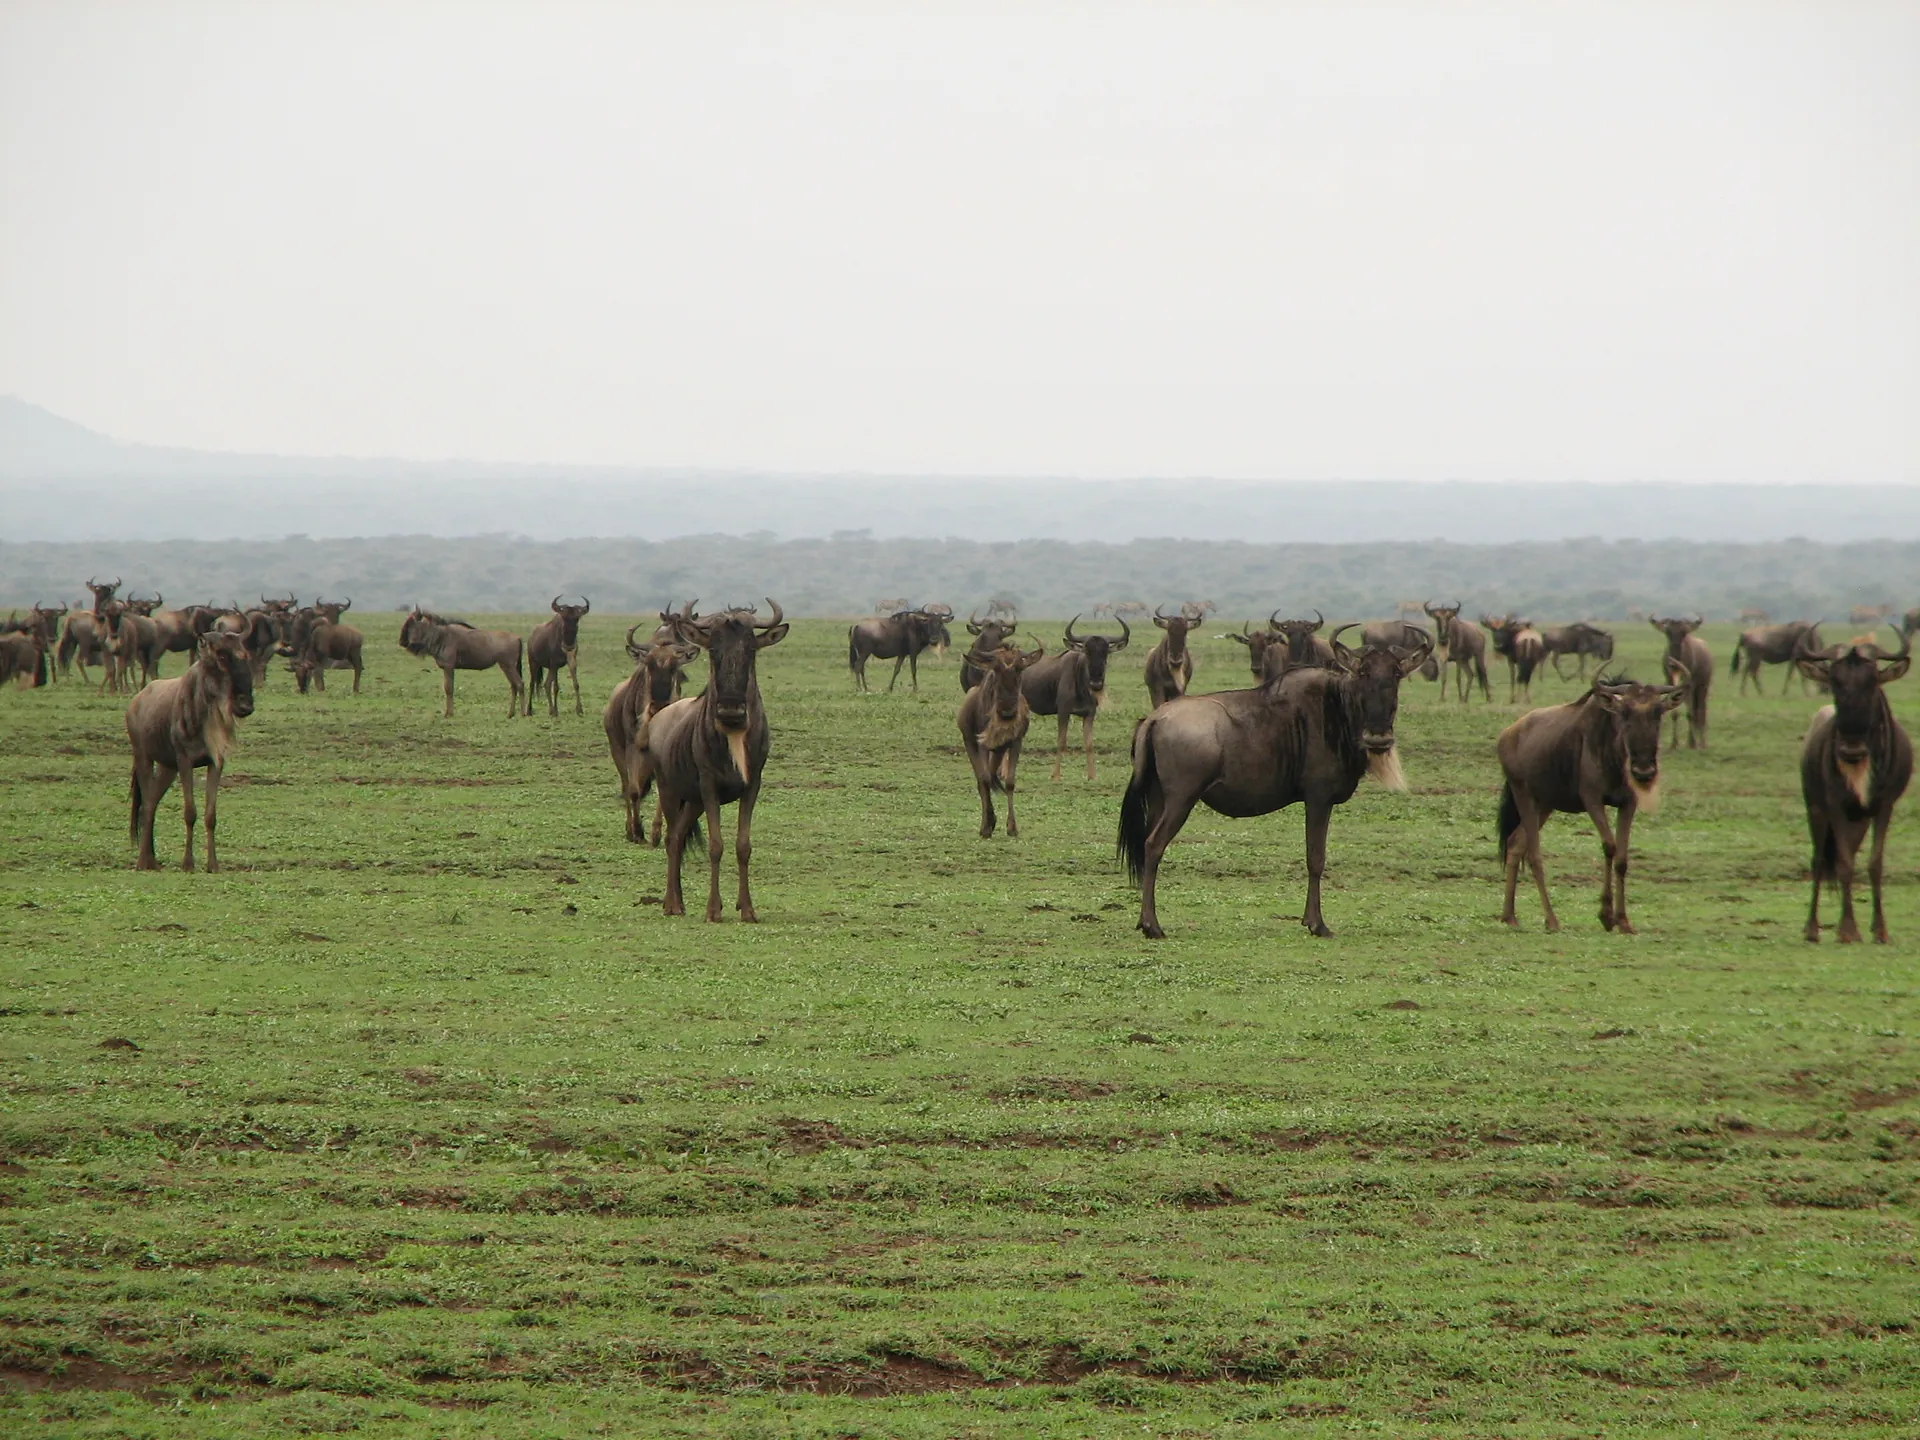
422,1120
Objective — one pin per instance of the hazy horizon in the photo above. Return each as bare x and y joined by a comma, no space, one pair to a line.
1309,241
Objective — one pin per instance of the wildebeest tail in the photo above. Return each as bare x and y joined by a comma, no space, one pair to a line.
133,820
1509,817
67,646
853,651
1738,645
42,672
1133,805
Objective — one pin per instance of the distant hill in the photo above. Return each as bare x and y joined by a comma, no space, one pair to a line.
60,481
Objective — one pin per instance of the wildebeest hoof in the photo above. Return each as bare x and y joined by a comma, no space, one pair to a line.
1553,927
1321,929
747,917
1152,930
1625,927
1606,920
1849,935
1813,934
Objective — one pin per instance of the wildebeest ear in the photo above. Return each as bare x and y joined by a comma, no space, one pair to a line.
763,638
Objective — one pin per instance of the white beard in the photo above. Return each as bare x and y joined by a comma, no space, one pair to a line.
1646,798
1857,774
737,748
1384,767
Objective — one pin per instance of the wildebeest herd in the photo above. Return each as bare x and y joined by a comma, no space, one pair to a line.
1319,718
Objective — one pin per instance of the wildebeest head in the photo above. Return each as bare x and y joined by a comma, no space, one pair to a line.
413,631
1676,630
1097,648
1855,672
732,640
1442,616
332,610
1001,667
225,657
1376,672
1176,627
1299,634
103,594
1256,642
570,620
1637,710
934,619
145,607
46,621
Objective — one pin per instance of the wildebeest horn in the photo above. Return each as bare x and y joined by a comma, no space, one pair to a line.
1125,635
586,604
1319,621
1334,639
1273,620
773,605
1071,642
554,605
631,648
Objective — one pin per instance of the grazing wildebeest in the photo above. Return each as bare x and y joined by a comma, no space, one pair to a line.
1074,682
456,645
1525,651
988,635
1855,764
993,725
1309,737
1463,645
1580,640
660,669
1774,645
553,644
1598,751
711,750
900,637
1687,653
319,645
1170,663
185,724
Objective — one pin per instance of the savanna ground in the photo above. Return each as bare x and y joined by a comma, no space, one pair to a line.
421,1119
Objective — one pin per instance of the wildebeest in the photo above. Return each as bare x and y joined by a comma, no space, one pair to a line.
553,644
1581,640
23,654
1688,654
318,645
1774,645
1309,737
660,670
1463,645
44,628
711,750
132,639
900,637
1170,663
1854,765
185,724
1598,751
1870,614
83,641
1910,622
332,610
1074,682
1260,644
993,726
988,636
456,645
1305,647
1524,649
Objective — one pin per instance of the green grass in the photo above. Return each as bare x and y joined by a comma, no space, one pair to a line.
436,1126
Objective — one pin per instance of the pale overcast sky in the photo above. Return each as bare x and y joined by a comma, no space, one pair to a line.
1549,240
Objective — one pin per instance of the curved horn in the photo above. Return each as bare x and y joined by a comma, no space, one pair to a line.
1125,634
1334,639
1273,620
554,605
1073,643
773,605
630,644
1319,620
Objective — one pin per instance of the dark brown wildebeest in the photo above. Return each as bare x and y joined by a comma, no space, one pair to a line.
1688,654
1855,764
173,629
1074,682
319,645
659,671
456,645
1774,645
331,610
988,636
103,594
711,750
1305,648
23,656
1170,663
1260,645
553,644
1309,737
133,639
1598,751
900,637
185,724
82,641
1463,645
1580,640
262,637
44,628
993,725
1524,649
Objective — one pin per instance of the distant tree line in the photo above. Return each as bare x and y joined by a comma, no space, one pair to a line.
849,574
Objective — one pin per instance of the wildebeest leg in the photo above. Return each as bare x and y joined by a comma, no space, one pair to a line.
356,674
659,810
519,689
685,813
573,669
1847,853
213,796
743,852
1009,760
186,785
1060,755
153,779
1173,815
1622,850
320,677
899,660
913,671
1319,818
1821,839
716,848
1086,729
446,680
1516,848
982,763
1597,812
1875,866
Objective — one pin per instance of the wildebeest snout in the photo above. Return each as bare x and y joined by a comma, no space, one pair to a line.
731,715
1377,741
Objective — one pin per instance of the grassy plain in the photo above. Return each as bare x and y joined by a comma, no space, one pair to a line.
421,1119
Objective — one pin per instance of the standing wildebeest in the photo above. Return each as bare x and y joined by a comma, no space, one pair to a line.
182,725
1602,749
1304,645
988,636
1687,653
1074,682
1855,764
660,669
1525,651
1581,640
83,641
456,645
1260,645
132,639
319,645
1170,663
1309,737
1774,645
993,725
44,630
23,654
553,644
901,637
1465,648
711,750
